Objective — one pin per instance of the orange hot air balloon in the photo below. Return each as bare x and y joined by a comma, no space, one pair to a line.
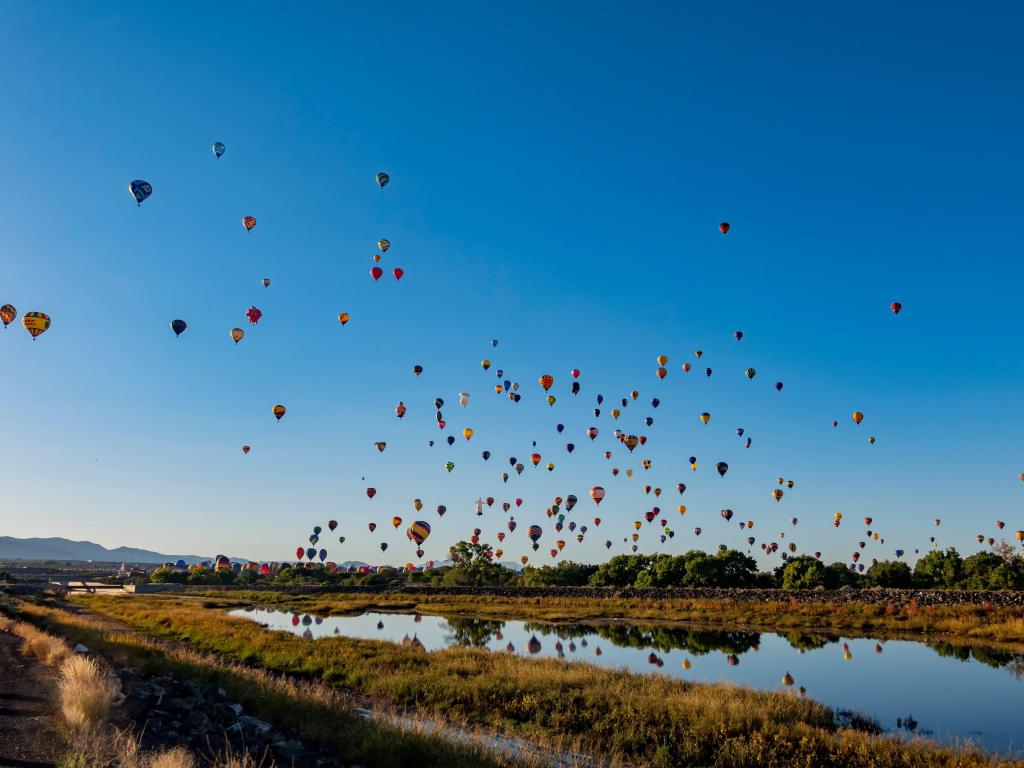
1018,535
467,433
400,409
249,222
662,359
535,458
396,521
777,494
237,334
485,364
343,317
279,411
546,381
858,417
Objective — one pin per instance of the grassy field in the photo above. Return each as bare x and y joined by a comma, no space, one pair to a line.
968,623
625,718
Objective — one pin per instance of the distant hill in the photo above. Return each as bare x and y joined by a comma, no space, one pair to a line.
65,549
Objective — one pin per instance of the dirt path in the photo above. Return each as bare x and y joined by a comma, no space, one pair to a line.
28,694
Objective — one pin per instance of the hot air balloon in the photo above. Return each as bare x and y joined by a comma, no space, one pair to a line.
705,417
597,494
723,227
266,282
858,417
237,334
727,514
140,190
546,381
722,468
778,386
750,373
218,149
249,222
398,272
777,494
449,465
278,411
178,326
246,449
35,323
383,179
7,314
895,307
254,315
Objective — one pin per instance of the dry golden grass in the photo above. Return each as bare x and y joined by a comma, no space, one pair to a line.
621,717
86,694
172,758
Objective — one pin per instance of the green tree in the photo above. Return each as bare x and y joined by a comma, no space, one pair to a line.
840,575
473,565
166,575
938,569
565,574
726,568
890,573
664,571
803,572
620,571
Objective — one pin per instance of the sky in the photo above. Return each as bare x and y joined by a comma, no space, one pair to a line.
558,175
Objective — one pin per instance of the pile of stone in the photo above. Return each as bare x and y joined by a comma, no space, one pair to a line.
168,712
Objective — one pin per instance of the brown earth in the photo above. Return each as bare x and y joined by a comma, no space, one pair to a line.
28,710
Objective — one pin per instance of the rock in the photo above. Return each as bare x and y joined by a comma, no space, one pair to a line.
236,709
81,649
197,723
255,725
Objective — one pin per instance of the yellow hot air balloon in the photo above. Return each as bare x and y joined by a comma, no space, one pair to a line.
858,417
687,664
467,433
682,509
705,417
417,504
1019,535
279,411
637,524
35,323
237,334
551,399
396,521
662,359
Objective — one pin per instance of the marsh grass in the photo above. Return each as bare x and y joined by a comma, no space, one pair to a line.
621,717
965,622
86,694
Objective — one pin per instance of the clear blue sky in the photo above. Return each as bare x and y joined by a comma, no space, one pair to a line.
558,176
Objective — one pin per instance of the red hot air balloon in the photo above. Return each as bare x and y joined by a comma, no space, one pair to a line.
597,494
376,272
371,492
723,227
254,315
895,307
398,272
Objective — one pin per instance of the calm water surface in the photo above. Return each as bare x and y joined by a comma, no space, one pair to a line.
950,694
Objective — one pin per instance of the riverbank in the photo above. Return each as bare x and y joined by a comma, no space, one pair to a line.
622,717
957,622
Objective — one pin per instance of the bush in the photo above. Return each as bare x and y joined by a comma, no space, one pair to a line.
166,575
943,570
888,573
663,571
839,575
986,570
804,572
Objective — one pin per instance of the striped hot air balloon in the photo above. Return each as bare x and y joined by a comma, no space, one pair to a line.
418,532
35,323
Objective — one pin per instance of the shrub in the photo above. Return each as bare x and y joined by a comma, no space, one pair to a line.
565,574
620,571
86,693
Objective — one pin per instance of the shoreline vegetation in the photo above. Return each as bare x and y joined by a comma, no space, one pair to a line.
621,717
980,623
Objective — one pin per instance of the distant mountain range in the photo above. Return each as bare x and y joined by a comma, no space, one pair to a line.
65,549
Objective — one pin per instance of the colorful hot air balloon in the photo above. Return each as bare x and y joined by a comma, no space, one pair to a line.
140,190
249,222
279,411
7,314
597,494
218,149
178,326
546,381
383,179
383,244
254,315
35,323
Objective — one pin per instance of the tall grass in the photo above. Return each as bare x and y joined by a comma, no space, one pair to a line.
86,694
621,717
